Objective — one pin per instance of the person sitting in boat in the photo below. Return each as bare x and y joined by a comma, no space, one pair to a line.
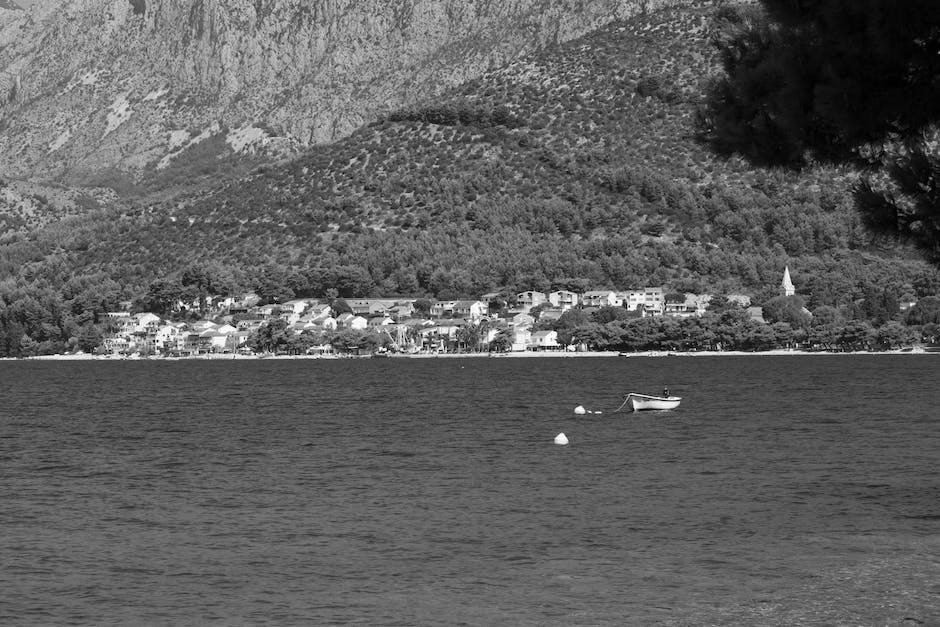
665,391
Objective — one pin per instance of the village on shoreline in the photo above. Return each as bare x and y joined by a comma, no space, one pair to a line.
645,322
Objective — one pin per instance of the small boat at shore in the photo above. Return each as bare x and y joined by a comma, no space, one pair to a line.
640,402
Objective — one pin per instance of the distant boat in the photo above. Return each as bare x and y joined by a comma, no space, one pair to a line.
640,402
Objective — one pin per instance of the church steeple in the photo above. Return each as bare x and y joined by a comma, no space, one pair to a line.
787,285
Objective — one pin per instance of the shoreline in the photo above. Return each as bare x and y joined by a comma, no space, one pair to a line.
517,355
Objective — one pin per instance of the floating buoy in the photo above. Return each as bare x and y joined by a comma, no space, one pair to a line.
561,438
579,410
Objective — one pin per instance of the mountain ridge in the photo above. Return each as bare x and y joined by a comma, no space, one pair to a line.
87,85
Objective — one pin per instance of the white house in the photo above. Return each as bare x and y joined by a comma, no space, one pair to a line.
370,306
652,299
115,344
601,298
265,311
145,321
289,316
247,300
471,309
379,321
350,321
525,301
325,321
522,320
563,299
296,306
443,308
543,340
694,305
521,338
213,341
170,336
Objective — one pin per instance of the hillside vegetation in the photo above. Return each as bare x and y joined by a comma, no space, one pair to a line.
130,85
577,167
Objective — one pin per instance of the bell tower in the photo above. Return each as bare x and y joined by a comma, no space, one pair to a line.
787,285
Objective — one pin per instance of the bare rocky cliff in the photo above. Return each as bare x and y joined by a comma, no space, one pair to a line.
91,85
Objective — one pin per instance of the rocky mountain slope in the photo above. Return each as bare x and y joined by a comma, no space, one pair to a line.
126,86
575,167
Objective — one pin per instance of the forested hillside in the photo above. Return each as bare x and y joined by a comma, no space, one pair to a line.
578,168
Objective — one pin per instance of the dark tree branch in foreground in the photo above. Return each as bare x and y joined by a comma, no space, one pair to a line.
904,198
841,81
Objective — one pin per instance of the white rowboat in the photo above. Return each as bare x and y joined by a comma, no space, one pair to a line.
640,402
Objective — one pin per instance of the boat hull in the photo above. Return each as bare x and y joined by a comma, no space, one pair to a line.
643,402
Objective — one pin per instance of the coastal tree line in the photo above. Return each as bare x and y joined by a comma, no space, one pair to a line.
724,327
38,320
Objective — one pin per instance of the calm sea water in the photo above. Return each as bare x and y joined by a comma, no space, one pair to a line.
784,490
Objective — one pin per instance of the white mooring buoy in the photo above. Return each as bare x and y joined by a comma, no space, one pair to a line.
561,438
579,410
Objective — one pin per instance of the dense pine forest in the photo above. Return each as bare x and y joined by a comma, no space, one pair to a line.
581,167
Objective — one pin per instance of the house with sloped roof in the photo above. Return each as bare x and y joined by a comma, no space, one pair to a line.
525,301
319,309
564,299
114,344
472,309
521,338
651,299
350,321
265,311
543,340
443,308
601,298
249,325
212,341
296,305
448,328
694,305
370,306
169,336
379,321
324,321
145,321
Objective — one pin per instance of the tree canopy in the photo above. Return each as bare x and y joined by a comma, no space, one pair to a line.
838,80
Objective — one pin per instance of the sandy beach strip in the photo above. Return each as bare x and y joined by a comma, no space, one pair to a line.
512,355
